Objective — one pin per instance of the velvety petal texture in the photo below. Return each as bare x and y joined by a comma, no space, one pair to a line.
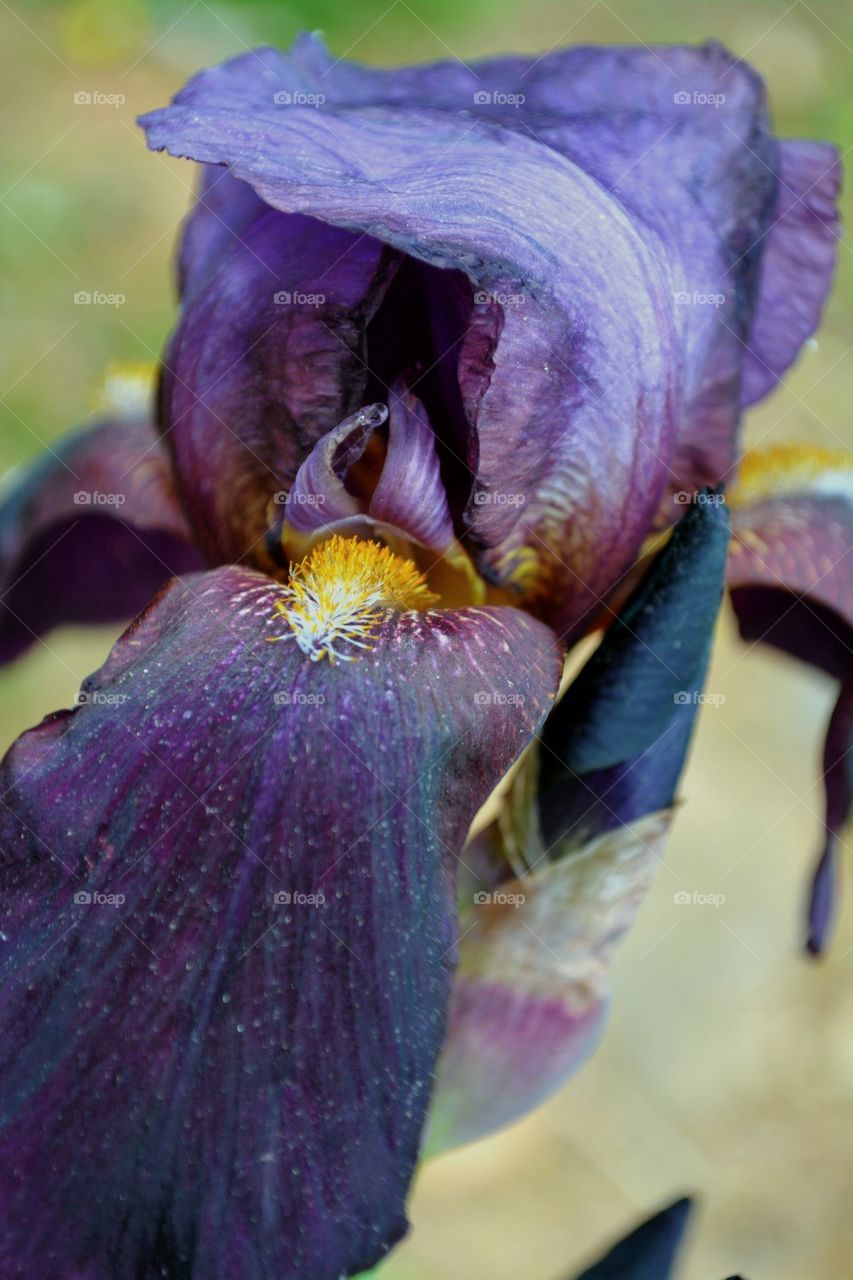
614,747
790,575
228,933
89,532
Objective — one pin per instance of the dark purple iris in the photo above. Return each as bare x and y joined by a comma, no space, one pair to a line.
450,341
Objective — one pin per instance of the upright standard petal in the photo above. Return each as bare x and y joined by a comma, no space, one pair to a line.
611,325
680,135
89,532
228,927
269,354
797,263
596,373
790,575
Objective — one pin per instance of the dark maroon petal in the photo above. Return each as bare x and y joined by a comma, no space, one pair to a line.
838,781
797,263
269,354
224,1072
790,575
790,571
88,533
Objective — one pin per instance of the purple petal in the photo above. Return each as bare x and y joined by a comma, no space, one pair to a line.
224,210
409,493
609,207
225,1072
838,781
88,533
797,263
267,357
318,496
790,575
580,368
530,997
790,570
407,500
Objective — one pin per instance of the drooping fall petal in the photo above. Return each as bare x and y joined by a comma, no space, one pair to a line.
228,930
790,575
790,571
89,532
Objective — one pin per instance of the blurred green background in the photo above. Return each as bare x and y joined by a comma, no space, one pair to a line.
728,1066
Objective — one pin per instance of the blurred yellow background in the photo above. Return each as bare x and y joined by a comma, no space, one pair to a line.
728,1065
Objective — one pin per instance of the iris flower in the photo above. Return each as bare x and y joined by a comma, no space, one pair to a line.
455,343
